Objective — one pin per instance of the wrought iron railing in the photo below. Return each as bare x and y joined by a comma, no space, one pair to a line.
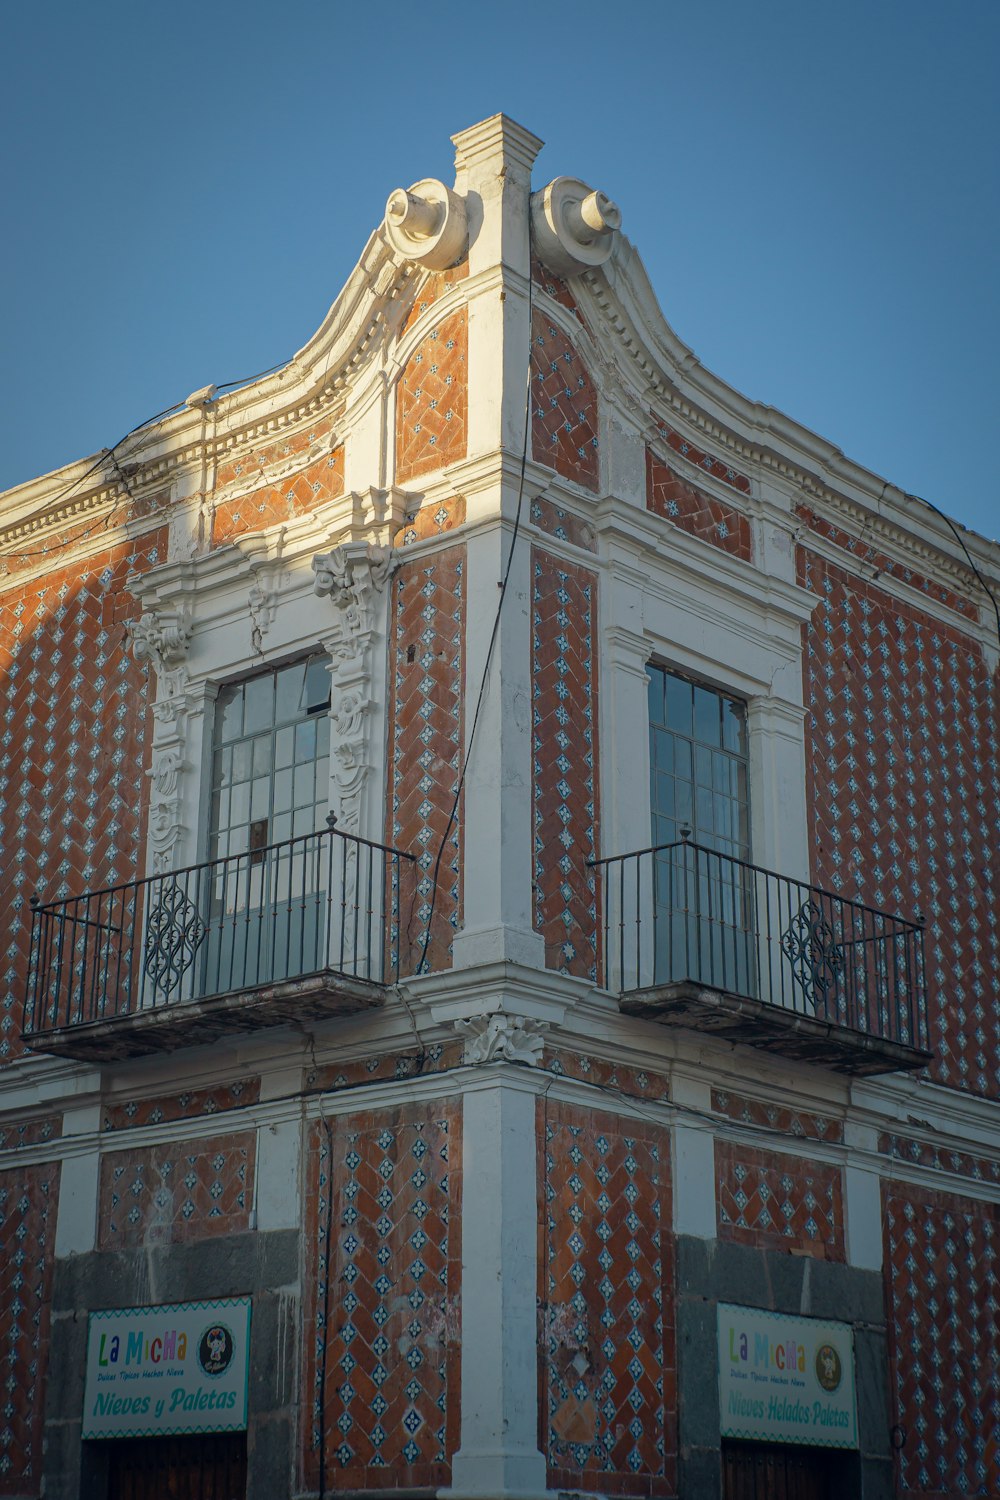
325,902
683,911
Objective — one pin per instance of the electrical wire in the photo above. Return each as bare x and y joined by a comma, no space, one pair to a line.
109,454
481,697
968,555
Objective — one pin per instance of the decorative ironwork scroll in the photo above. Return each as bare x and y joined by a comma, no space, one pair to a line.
817,959
174,933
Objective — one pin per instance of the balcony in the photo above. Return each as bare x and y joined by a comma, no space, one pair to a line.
696,938
287,932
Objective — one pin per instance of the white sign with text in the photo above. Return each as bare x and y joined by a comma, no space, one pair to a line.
157,1370
785,1379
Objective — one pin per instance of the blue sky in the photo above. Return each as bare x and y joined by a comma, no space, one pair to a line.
813,188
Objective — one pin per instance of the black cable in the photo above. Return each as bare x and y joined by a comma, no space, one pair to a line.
968,555
489,650
109,453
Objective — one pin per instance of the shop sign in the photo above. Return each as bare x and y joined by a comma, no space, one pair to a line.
157,1370
786,1380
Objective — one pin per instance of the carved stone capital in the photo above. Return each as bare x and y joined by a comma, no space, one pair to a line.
161,636
503,1038
427,223
574,227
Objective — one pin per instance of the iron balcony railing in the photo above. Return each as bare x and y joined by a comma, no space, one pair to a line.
684,912
325,902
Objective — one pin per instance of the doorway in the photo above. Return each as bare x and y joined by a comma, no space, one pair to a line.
777,1471
209,1467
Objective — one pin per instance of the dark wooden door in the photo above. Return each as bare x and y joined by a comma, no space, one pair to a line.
213,1467
763,1471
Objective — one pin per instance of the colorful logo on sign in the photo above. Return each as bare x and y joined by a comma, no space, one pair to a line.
215,1349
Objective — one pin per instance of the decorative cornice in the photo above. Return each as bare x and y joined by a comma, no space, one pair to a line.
503,1038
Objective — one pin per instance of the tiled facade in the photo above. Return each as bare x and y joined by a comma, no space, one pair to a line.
778,1202
942,1264
564,418
272,502
672,497
427,735
74,745
431,520
617,1078
29,1200
383,1305
709,463
176,1191
904,1148
777,1118
904,795
608,1386
565,776
187,1105
432,401
562,524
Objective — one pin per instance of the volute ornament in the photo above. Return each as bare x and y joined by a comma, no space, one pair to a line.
573,227
427,223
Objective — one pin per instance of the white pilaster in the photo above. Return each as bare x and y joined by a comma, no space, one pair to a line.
862,1200
499,1452
79,1181
694,1160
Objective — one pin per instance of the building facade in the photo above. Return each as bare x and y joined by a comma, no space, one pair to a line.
499,980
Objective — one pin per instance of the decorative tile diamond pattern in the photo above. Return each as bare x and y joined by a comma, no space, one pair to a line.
28,1205
778,1202
692,454
564,421
877,562
942,1266
382,1365
639,1083
187,1105
176,1191
73,744
670,496
564,761
904,789
437,1058
294,494
427,736
433,289
30,1132
562,524
775,1117
432,519
432,400
608,1382
554,286
923,1154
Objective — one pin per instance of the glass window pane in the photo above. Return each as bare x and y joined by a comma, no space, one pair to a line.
303,821
222,766
262,755
703,765
682,799
707,718
289,692
284,747
305,785
720,772
322,734
677,704
704,823
734,725
281,827
663,750
316,695
229,714
260,798
240,805
242,760
305,741
682,759
664,793
282,791
258,710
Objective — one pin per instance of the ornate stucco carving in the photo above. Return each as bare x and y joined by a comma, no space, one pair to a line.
427,223
353,577
161,637
574,227
503,1038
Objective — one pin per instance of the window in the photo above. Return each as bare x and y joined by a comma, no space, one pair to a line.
702,891
271,872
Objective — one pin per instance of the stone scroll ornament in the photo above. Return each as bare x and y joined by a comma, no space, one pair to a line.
161,637
503,1038
353,577
573,227
427,224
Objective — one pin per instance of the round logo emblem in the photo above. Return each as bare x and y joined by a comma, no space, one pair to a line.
828,1368
215,1349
